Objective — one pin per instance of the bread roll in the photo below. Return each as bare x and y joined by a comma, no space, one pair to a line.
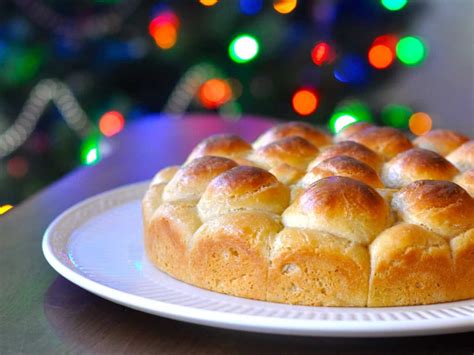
349,130
229,253
165,175
466,181
243,188
300,129
441,141
350,149
341,206
463,156
462,249
221,145
317,269
410,265
293,151
417,164
342,166
386,141
287,174
440,206
191,180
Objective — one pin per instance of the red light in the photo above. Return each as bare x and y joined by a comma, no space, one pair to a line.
322,53
305,102
164,29
389,41
17,167
214,93
111,123
380,56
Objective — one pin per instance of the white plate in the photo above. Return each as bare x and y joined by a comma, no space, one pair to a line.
97,245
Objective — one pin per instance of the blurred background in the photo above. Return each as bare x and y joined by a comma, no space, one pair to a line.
75,73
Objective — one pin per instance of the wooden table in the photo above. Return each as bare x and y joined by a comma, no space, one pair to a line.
41,312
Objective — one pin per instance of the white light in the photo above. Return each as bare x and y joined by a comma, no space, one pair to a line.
343,121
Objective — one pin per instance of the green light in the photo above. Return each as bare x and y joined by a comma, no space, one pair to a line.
394,5
411,50
349,112
90,153
340,120
396,115
243,48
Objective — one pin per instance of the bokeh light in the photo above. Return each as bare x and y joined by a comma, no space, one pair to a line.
18,167
251,7
348,112
396,115
380,56
243,48
208,2
111,123
420,123
5,208
164,29
90,153
214,93
411,50
322,53
351,69
394,5
305,102
284,6
341,120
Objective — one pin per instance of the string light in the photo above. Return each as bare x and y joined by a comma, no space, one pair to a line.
351,69
380,56
111,123
411,50
349,112
322,53
208,2
304,102
251,7
214,93
164,29
420,123
90,153
5,208
394,5
396,115
284,6
243,48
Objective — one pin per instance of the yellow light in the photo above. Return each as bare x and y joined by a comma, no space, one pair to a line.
420,123
284,6
5,208
208,2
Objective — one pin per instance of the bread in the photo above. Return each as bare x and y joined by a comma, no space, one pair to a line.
441,141
369,221
351,129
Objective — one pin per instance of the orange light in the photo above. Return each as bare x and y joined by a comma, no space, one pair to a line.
322,53
420,123
214,93
284,6
380,56
389,41
164,29
305,102
111,123
208,2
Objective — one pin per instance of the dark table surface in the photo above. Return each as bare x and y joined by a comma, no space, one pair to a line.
42,313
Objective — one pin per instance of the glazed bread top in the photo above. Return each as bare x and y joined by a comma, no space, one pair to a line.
221,145
463,156
442,141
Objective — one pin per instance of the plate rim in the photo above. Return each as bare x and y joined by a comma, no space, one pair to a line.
244,322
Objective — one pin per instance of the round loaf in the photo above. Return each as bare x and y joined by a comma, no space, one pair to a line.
386,141
349,130
287,174
293,151
300,129
165,175
350,149
440,206
221,145
243,188
417,164
341,206
466,181
191,180
463,156
342,166
441,141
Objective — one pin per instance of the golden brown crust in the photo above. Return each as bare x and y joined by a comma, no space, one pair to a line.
343,166
386,141
286,174
165,175
229,253
293,151
191,180
417,164
341,206
243,188
440,206
349,130
442,141
466,181
410,266
462,248
300,129
350,149
221,145
317,269
463,156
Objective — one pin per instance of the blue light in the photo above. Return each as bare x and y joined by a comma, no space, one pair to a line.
251,7
351,69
